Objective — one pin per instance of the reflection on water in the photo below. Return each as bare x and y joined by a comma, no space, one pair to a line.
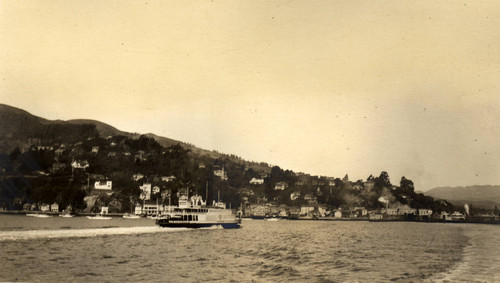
300,251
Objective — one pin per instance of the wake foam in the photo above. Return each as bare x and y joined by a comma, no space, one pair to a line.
83,233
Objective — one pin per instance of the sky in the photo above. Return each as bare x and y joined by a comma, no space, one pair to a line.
321,87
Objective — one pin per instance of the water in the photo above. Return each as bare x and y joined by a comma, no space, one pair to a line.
82,250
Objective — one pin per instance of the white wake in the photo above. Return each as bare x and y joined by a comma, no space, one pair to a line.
83,233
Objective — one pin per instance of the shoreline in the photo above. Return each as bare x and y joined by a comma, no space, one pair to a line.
469,220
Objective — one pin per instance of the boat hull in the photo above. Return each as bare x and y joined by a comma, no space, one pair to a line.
225,225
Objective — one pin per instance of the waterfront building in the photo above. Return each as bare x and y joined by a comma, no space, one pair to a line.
138,210
54,207
104,210
146,191
44,207
305,210
424,212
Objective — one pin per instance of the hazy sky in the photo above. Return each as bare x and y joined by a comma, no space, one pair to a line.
322,87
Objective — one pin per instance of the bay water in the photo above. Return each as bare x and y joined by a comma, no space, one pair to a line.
129,250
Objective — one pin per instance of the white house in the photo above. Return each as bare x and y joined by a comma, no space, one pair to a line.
168,178
294,195
54,207
280,186
150,209
146,191
401,210
311,199
137,177
221,174
156,189
304,210
80,164
138,210
424,212
44,207
104,210
256,181
103,185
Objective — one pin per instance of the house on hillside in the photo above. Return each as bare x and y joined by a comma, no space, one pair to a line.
95,149
58,167
294,195
280,186
221,174
59,151
137,177
155,190
168,178
311,199
103,185
256,181
141,155
80,164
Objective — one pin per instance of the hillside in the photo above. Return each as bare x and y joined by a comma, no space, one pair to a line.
43,161
103,129
18,128
481,196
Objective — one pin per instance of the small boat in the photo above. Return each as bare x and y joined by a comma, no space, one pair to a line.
131,216
194,213
246,218
38,215
99,217
273,219
66,215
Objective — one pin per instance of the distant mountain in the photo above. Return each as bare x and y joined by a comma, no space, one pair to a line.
480,196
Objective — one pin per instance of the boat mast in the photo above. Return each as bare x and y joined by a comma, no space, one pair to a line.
206,193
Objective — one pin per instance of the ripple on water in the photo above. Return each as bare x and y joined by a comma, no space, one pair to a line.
301,251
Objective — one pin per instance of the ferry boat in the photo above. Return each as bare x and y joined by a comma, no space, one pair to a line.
194,213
